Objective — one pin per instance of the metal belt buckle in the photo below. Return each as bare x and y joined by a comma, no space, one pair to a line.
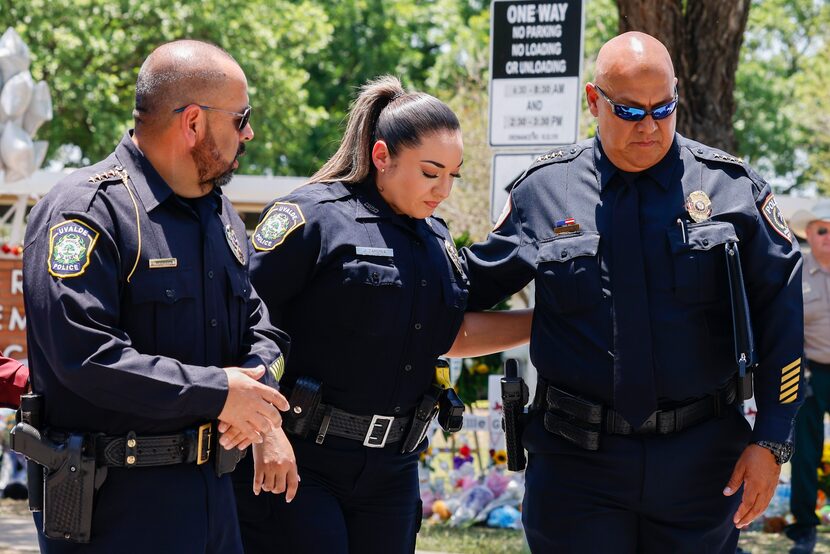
382,424
203,444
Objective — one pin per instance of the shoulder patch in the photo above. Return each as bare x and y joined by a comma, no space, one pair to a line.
772,213
280,221
70,246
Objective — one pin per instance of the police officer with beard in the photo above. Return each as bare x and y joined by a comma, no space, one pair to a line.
143,328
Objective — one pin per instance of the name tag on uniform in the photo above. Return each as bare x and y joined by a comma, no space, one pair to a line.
163,262
367,251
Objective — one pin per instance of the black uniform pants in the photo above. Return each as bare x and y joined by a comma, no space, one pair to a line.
181,508
809,446
636,494
351,499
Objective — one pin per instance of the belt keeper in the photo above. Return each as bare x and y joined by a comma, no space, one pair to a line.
324,426
130,449
718,404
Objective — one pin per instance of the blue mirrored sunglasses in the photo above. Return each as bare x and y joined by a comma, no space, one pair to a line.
638,114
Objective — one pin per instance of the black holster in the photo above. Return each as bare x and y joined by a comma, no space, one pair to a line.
69,491
514,397
31,412
424,414
304,400
224,460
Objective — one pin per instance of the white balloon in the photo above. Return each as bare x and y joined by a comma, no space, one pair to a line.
40,147
17,152
15,96
14,54
40,108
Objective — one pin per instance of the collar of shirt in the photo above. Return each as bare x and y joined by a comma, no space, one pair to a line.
662,172
150,186
812,266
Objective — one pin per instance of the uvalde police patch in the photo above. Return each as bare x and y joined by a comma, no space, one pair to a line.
70,246
278,223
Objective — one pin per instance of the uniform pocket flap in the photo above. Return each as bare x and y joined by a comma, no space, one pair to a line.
701,236
160,285
363,272
562,249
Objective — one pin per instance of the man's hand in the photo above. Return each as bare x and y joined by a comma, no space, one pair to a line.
275,468
251,408
758,471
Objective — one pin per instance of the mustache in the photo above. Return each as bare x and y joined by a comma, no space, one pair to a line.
241,150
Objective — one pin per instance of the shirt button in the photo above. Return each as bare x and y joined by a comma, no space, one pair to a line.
213,322
210,274
423,282
416,242
417,326
397,409
375,277
705,242
169,293
564,254
407,367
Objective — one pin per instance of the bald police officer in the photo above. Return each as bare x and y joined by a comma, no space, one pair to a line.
142,324
637,442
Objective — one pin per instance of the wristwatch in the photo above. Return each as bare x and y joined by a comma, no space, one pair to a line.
782,451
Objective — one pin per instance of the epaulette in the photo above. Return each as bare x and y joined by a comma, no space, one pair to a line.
558,155
562,154
116,172
712,154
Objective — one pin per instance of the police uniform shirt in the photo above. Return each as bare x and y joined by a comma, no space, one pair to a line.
136,299
370,298
816,289
686,281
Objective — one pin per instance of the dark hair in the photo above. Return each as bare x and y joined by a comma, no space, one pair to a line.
383,110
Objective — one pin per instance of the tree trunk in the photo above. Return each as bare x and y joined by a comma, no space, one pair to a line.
704,41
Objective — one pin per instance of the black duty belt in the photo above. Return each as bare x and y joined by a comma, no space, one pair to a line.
131,450
581,421
374,431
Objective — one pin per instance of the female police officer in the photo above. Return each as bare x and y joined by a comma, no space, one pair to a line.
368,284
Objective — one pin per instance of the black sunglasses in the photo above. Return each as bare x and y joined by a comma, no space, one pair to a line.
244,116
638,114
821,231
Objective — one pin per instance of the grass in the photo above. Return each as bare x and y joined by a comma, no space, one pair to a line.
481,540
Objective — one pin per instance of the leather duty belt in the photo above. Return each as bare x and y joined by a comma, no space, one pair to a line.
582,422
131,450
374,431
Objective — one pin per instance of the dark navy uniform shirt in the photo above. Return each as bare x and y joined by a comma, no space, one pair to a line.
136,299
686,280
369,298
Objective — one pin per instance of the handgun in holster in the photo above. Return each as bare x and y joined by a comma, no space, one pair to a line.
514,397
304,400
31,413
745,352
441,400
71,479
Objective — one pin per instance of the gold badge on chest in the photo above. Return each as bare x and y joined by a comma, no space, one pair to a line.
699,206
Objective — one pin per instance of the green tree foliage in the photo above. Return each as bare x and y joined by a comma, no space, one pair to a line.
783,112
90,52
